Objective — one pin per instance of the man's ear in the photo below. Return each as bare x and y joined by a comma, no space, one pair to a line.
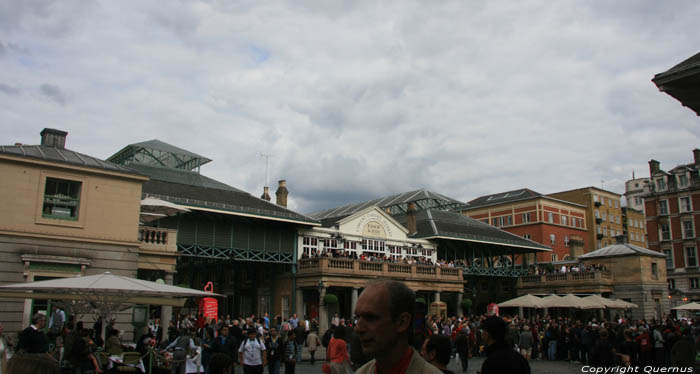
403,322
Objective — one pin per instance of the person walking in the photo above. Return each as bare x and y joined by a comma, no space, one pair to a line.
462,348
181,346
312,342
252,354
338,353
290,353
275,351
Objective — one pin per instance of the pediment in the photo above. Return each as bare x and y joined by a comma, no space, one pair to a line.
372,223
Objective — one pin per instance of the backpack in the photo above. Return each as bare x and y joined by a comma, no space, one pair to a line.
259,345
326,338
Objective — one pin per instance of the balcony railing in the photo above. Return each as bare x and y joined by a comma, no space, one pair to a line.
158,240
357,268
566,279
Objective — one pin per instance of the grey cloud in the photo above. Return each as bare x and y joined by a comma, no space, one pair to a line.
12,91
53,92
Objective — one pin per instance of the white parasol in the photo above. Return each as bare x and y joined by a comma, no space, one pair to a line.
525,301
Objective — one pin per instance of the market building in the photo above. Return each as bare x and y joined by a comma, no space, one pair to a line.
672,210
558,224
425,241
241,243
64,214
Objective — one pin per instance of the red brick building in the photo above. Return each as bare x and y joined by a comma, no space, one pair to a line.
558,224
672,210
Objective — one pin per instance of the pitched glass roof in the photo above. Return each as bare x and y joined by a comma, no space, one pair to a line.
395,204
159,154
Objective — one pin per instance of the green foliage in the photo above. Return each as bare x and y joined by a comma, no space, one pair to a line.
420,300
466,304
330,299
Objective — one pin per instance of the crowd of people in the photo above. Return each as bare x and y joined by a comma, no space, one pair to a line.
379,257
380,336
547,268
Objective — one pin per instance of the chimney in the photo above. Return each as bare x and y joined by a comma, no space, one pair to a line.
282,193
653,167
621,239
53,138
411,218
266,194
696,156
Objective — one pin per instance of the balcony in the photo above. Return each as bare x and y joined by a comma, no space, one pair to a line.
598,221
597,204
154,240
573,282
342,270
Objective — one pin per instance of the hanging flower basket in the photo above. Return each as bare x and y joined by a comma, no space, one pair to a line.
330,299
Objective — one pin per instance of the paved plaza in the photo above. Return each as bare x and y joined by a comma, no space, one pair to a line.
536,366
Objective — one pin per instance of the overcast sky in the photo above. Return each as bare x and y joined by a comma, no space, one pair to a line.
356,100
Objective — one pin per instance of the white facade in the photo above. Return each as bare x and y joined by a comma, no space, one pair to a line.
371,232
635,189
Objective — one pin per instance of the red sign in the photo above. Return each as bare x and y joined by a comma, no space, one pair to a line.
492,309
209,306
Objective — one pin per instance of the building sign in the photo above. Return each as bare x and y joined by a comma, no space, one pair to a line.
373,224
374,229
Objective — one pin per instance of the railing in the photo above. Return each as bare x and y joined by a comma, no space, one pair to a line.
571,278
156,239
338,266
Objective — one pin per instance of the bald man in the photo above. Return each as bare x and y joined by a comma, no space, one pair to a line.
385,317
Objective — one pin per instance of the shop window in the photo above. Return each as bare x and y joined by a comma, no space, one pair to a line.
61,199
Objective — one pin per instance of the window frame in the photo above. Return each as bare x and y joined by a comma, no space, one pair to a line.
663,207
681,206
62,200
84,203
692,228
669,258
694,257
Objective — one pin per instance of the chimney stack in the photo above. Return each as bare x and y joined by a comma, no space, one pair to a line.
653,167
411,218
266,194
621,239
282,193
696,156
53,138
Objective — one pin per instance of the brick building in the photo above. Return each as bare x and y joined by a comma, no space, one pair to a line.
603,214
672,208
558,224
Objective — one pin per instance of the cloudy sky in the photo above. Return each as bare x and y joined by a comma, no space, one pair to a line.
357,99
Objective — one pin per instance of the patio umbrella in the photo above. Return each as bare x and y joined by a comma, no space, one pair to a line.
158,206
581,303
102,294
689,306
525,301
626,304
554,301
608,303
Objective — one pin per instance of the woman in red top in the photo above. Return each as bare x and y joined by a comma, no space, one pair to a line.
338,353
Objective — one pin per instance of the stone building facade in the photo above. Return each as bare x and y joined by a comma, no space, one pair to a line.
64,214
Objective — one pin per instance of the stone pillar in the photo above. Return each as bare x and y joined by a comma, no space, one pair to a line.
460,313
322,312
300,303
437,296
521,313
166,312
353,301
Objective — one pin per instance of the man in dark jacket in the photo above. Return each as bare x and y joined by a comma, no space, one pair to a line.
32,339
500,358
462,347
227,344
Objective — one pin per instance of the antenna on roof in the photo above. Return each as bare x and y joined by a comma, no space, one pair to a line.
267,164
